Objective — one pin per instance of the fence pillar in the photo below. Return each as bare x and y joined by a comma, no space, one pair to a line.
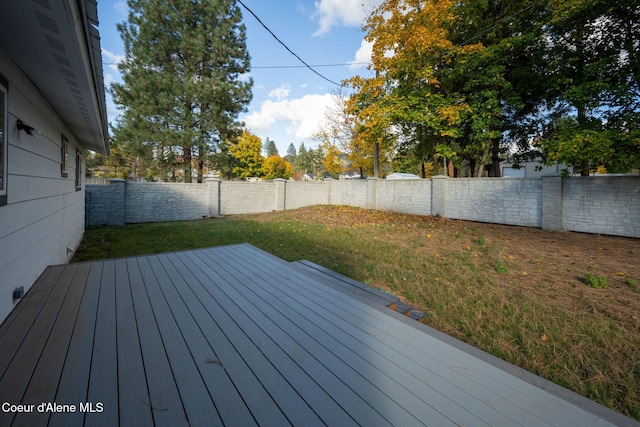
213,187
116,204
372,189
439,195
281,194
552,203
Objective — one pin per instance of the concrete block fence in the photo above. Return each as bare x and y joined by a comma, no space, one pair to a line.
602,205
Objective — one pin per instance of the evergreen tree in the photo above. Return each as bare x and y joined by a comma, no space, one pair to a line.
182,87
291,153
270,148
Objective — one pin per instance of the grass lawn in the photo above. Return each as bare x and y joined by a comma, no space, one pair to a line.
565,306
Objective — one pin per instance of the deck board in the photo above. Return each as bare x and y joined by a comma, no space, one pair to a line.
223,356
235,336
275,385
199,407
221,389
15,381
134,409
164,398
255,325
74,381
103,385
46,375
340,382
346,364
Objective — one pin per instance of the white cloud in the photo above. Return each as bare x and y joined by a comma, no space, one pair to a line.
301,117
363,54
350,13
112,59
108,79
121,8
281,92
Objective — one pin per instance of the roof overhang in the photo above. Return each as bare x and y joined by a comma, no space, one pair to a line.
57,45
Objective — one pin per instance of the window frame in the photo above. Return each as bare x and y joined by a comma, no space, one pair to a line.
64,157
4,141
78,170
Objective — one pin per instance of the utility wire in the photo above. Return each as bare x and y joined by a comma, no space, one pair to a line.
313,66
287,66
285,46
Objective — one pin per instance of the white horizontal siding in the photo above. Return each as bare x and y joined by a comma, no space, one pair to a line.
44,214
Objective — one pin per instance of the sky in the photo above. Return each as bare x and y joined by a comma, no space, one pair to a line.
289,103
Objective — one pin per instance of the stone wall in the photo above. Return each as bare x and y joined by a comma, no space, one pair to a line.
514,201
156,202
604,205
105,203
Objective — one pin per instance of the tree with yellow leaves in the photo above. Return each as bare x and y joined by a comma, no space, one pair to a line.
333,163
277,167
445,74
247,151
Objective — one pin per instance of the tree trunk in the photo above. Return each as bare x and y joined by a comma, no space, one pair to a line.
186,159
376,159
495,158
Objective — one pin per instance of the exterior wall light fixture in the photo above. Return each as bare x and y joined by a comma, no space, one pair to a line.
25,127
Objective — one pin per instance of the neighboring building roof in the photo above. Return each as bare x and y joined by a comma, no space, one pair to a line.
57,45
402,175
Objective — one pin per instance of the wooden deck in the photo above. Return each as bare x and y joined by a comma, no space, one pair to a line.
235,336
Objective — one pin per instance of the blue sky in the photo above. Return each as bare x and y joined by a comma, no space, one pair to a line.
288,103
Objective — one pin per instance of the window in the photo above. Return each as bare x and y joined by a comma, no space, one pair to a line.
4,125
64,155
78,170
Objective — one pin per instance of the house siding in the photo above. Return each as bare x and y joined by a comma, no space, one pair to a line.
44,215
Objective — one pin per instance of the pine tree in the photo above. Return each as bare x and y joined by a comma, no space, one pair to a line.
292,153
183,78
270,148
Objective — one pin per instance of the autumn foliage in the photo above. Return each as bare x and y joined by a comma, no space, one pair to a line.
475,81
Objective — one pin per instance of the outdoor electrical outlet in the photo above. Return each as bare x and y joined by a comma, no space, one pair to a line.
18,293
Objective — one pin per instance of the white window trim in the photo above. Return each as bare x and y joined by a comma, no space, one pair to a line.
64,157
5,139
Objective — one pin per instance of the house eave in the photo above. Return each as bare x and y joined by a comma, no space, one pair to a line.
57,45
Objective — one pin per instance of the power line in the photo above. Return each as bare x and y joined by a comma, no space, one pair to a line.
313,66
285,46
287,66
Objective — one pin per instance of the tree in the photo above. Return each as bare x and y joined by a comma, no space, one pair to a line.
291,153
309,161
593,85
270,148
183,79
277,167
411,90
247,151
333,163
302,161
